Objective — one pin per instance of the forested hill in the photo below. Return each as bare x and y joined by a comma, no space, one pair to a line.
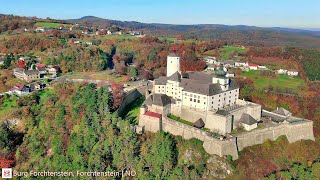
251,35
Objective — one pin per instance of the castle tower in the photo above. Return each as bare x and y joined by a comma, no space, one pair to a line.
173,64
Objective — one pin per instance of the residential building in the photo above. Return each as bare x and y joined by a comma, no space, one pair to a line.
292,73
282,71
20,90
35,86
253,66
211,68
53,70
240,64
228,63
262,67
210,60
27,75
230,74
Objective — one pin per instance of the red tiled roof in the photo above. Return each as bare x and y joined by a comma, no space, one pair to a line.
41,66
253,65
17,87
153,114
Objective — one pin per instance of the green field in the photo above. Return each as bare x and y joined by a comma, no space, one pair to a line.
167,39
227,52
44,94
51,24
279,81
124,36
102,75
8,106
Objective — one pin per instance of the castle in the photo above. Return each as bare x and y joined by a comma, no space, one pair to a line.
208,101
207,107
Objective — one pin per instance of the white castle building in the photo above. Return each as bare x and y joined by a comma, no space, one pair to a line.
205,100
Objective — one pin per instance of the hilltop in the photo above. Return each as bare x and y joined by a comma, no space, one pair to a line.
250,35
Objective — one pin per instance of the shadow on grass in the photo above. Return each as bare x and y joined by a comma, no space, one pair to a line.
132,111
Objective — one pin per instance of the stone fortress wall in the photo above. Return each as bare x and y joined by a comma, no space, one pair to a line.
302,130
130,97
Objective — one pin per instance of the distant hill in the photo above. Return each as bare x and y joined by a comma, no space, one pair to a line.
250,35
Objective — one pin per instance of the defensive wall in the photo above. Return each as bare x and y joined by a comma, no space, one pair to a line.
302,130
130,97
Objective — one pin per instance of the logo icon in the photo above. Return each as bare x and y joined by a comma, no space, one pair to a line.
6,173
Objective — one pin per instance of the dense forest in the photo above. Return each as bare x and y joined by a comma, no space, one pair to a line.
80,133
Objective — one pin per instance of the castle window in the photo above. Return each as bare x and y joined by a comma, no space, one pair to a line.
198,101
190,99
194,100
219,95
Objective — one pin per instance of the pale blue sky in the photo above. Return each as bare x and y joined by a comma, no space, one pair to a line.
267,13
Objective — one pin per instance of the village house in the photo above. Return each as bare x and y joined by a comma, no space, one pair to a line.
135,33
292,73
282,71
253,66
211,68
230,74
260,67
228,63
53,70
42,29
85,32
36,86
27,75
20,90
240,64
210,60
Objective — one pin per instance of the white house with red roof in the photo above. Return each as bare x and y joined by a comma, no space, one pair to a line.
253,66
20,90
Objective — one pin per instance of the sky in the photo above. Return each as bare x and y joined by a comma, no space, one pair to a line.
264,13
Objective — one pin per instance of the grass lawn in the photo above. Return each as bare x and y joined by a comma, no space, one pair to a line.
44,94
98,76
51,24
210,53
133,110
168,39
124,36
280,81
8,106
227,52
180,120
